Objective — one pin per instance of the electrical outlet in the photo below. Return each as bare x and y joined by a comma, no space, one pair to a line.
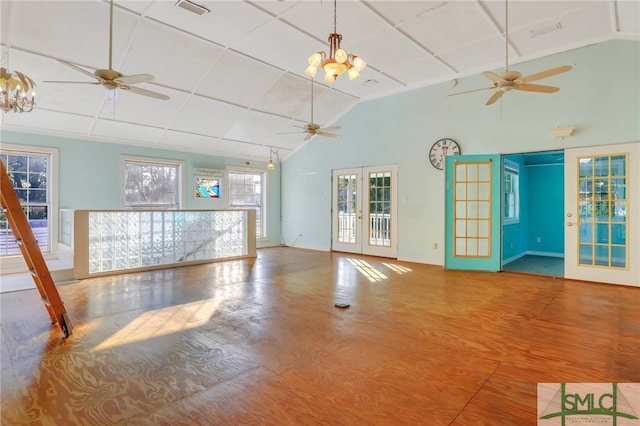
538,240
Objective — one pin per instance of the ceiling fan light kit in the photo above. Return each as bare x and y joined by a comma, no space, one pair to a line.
14,87
338,61
509,80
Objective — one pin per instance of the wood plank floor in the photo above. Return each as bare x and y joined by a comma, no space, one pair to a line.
260,342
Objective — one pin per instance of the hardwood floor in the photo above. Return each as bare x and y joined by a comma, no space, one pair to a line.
261,342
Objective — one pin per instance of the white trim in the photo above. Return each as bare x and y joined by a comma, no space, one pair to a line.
512,168
264,214
15,263
544,253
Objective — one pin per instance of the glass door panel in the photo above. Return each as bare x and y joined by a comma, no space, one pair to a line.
601,239
602,205
347,210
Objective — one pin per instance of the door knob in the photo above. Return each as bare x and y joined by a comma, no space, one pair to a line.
571,223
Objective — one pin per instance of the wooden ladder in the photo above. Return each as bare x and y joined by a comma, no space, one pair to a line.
32,254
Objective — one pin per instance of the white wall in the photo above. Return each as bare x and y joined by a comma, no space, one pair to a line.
600,96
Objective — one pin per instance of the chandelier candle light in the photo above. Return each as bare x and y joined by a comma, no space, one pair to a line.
338,61
13,91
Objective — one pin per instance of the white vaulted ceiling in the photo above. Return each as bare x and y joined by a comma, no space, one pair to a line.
235,76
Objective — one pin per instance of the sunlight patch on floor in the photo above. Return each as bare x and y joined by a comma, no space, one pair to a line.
399,269
164,321
367,270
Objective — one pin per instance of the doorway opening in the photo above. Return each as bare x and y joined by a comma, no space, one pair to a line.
533,213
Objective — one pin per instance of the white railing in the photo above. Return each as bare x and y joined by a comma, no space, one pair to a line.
118,241
379,229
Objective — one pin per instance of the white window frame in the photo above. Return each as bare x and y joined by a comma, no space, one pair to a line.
263,208
125,159
15,263
511,199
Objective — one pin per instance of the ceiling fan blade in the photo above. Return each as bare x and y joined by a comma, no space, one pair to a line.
543,74
329,135
493,77
536,88
82,70
71,82
306,138
134,79
495,97
289,133
144,92
471,91
330,128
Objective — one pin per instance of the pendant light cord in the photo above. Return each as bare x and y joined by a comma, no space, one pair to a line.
335,16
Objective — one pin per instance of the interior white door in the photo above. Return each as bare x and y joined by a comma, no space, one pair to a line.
364,211
602,201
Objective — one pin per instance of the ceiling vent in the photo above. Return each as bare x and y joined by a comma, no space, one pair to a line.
192,7
545,30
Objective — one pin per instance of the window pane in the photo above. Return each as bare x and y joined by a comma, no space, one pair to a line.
511,188
29,174
246,192
151,185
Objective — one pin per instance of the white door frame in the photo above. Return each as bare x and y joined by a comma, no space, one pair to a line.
355,228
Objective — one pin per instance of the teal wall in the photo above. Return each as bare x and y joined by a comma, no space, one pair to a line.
546,208
400,129
89,175
541,212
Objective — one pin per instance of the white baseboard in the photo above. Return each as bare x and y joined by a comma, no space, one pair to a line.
544,253
532,253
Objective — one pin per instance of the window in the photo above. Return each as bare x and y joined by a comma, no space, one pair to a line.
511,189
152,184
246,191
30,172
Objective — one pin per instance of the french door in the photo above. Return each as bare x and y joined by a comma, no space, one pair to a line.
472,212
602,220
364,211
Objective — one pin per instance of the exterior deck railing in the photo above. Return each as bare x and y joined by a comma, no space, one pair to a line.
379,228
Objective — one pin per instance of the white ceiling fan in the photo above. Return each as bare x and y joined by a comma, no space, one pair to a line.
313,129
513,80
112,79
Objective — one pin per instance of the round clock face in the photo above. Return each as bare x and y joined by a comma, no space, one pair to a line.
440,149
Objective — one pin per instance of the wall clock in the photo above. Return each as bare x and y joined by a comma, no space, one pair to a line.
441,148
